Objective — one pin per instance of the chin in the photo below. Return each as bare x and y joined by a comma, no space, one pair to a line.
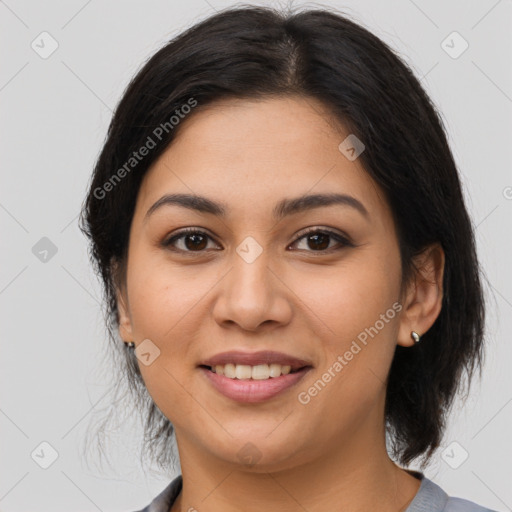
257,451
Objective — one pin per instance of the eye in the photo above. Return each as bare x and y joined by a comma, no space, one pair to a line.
319,240
194,240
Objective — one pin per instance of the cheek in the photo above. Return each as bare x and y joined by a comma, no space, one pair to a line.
164,304
162,295
356,312
345,300
356,320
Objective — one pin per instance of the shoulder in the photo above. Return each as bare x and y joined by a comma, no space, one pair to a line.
432,498
461,505
166,498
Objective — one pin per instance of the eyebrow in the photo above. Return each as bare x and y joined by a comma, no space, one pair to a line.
284,208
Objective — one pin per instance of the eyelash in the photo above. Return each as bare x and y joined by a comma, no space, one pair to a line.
188,231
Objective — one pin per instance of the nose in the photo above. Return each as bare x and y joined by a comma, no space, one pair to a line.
253,295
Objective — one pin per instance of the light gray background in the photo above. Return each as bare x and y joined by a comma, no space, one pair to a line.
55,113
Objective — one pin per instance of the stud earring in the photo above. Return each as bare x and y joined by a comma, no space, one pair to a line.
129,344
415,336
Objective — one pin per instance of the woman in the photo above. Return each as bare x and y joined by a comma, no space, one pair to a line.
286,253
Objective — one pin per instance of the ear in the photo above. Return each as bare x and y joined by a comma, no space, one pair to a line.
123,307
125,324
424,295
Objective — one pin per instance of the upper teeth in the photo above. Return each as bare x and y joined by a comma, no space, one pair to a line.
245,371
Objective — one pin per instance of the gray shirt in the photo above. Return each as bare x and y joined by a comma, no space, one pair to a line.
429,498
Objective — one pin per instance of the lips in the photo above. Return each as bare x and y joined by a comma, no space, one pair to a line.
256,358
249,390
253,391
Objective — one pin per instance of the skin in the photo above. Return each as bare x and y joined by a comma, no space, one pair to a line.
293,298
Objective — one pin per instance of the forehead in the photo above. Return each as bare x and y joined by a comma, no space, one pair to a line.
255,152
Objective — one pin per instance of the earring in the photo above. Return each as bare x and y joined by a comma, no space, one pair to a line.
129,344
415,336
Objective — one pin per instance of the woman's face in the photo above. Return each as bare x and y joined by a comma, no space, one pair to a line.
253,280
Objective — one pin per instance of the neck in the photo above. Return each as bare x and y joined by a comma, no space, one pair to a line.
372,481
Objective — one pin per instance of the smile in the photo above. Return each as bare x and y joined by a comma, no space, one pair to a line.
249,389
257,372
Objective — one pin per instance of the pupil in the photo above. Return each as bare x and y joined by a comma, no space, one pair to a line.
320,245
196,243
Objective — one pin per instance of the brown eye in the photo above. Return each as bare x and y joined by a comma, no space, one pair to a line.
319,240
195,242
192,240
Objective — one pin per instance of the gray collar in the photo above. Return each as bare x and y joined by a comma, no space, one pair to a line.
429,498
